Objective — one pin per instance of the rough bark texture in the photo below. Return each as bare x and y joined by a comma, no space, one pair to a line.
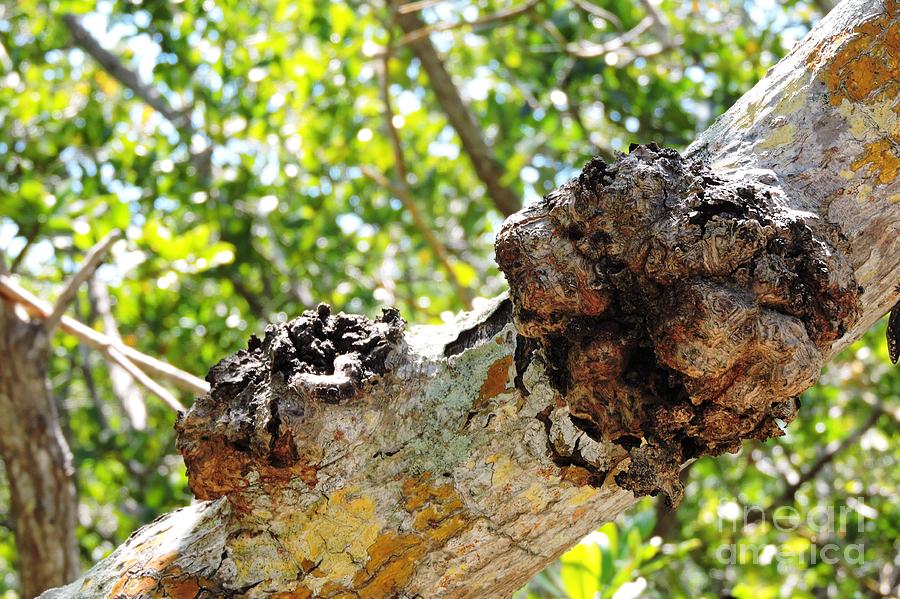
36,458
682,310
661,308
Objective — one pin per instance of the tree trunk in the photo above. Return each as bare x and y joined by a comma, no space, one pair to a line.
660,308
37,459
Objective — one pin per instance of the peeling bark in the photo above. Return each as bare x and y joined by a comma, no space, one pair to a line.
36,458
660,308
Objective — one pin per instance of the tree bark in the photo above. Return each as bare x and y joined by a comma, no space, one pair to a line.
37,459
660,308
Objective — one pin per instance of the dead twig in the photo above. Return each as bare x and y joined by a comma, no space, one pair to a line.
497,17
91,262
12,292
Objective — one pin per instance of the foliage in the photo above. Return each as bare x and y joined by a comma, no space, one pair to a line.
253,204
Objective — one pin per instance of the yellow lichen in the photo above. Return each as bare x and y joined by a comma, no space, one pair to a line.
882,160
857,64
780,136
257,555
504,468
537,497
582,495
340,533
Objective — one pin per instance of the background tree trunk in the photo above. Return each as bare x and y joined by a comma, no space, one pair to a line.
37,459
659,310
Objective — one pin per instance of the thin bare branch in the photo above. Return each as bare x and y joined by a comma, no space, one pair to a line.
253,298
828,456
180,118
417,6
461,118
12,292
586,49
122,382
299,291
497,17
87,373
550,27
596,11
401,187
140,376
29,239
402,193
660,28
91,262
790,492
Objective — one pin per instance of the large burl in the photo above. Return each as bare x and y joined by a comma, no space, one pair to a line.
681,310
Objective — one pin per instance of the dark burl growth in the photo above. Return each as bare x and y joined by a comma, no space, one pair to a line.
681,309
269,403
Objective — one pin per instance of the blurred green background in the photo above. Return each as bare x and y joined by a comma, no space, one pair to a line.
252,168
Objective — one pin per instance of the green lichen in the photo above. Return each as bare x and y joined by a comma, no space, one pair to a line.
444,442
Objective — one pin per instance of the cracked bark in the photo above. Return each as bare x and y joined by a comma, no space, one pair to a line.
660,308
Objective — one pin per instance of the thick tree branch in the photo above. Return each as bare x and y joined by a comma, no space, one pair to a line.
36,457
661,308
461,118
91,261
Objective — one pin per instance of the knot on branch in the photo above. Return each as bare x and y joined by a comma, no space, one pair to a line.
276,408
680,309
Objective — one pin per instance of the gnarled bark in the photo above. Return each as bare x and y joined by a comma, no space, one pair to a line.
661,307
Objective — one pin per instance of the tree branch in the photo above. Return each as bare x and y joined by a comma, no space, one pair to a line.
122,382
180,119
100,342
594,10
497,17
401,188
828,456
88,373
29,239
585,49
440,252
140,376
112,65
91,261
659,310
790,492
461,118
417,6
